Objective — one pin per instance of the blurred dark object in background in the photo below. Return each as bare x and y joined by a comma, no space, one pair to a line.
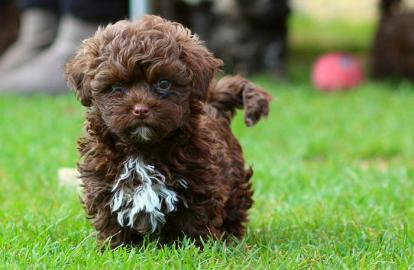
10,18
393,47
389,7
250,36
194,14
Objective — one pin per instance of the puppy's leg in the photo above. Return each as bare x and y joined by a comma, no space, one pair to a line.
240,201
235,92
199,222
109,232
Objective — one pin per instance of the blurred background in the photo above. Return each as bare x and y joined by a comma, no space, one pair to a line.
280,38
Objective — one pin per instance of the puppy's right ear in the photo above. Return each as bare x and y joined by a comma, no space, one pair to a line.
78,73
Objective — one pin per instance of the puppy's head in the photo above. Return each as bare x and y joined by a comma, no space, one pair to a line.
142,76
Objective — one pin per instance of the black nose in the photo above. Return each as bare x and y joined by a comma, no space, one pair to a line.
141,110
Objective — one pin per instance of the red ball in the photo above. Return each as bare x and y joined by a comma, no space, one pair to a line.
337,71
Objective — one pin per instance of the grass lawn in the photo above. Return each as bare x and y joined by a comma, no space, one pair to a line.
333,186
333,179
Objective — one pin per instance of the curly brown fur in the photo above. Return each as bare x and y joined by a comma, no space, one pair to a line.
194,161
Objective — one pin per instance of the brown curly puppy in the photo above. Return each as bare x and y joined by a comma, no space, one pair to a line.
159,157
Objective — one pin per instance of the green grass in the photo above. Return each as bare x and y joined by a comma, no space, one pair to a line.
333,180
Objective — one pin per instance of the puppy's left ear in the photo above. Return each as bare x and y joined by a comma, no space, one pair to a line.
78,72
203,66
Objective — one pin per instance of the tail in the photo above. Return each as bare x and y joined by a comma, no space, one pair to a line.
235,92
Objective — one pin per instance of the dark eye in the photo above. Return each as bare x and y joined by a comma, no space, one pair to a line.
119,88
163,85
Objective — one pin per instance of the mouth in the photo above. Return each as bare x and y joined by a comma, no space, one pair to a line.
143,133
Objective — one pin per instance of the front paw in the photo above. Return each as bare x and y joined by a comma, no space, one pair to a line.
256,104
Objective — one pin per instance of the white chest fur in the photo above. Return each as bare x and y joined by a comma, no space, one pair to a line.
140,198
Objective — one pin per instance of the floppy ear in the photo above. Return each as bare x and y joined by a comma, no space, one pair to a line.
203,66
78,72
